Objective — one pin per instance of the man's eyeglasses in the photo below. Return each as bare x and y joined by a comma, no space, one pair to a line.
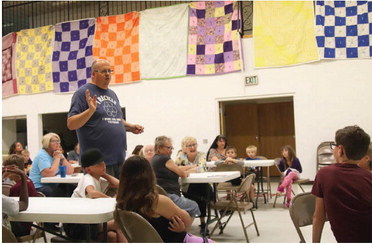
169,148
104,71
333,145
191,145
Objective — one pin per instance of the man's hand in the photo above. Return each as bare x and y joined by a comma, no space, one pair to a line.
137,129
176,224
92,102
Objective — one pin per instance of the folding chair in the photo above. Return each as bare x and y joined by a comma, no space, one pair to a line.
299,182
135,228
228,167
8,236
302,211
6,188
161,190
239,202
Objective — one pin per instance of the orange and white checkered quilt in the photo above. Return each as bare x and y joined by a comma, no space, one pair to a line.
116,40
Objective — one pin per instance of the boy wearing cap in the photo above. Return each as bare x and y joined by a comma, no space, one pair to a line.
93,185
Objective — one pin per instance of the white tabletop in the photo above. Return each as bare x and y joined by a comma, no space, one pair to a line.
70,179
67,210
248,163
211,177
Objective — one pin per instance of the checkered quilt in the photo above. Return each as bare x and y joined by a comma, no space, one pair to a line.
72,54
214,42
344,29
9,75
34,60
116,40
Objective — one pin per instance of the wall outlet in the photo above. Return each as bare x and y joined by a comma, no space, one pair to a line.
251,80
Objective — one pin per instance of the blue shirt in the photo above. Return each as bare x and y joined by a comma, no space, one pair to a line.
42,161
105,129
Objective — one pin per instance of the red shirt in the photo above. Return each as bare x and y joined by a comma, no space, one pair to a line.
346,190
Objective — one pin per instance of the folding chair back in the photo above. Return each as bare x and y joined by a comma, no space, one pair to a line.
8,236
6,188
239,202
136,228
161,190
230,167
302,211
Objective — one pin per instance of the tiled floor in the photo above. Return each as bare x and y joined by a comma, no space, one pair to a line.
274,225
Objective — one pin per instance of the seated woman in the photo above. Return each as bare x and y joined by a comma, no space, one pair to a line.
217,151
290,166
137,193
46,164
16,148
201,192
167,174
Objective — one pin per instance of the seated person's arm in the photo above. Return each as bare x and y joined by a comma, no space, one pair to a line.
319,218
93,193
69,168
114,183
167,208
52,170
173,167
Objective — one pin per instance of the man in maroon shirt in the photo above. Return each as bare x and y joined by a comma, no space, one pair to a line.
344,190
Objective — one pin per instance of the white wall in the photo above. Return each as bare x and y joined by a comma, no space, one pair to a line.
327,95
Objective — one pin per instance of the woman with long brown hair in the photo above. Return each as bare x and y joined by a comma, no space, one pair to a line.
290,166
137,193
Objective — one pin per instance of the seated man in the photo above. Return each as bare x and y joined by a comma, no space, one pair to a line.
12,207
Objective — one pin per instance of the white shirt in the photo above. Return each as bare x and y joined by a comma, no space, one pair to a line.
88,180
10,208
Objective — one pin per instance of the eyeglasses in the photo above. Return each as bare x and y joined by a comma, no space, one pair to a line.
333,145
169,148
192,145
55,141
104,71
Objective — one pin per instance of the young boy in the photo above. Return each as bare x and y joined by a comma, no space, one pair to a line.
93,185
343,190
16,161
251,151
27,160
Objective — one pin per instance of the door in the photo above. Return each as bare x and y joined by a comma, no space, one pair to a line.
267,124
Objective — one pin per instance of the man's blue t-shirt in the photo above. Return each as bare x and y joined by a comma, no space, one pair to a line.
105,129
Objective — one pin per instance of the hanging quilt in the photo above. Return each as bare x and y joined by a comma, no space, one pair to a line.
163,42
116,40
214,41
344,29
283,33
34,60
72,54
9,75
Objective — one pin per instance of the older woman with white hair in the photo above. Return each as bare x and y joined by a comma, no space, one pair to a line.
199,192
46,164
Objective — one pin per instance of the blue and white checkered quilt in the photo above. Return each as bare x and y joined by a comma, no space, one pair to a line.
344,29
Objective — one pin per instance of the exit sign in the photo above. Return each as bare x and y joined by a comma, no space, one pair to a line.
251,80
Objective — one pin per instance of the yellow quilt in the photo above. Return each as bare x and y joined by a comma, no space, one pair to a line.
34,60
284,33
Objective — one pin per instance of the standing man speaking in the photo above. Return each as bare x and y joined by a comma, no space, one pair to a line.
96,115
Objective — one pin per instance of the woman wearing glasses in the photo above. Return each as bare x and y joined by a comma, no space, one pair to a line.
46,164
201,193
167,174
